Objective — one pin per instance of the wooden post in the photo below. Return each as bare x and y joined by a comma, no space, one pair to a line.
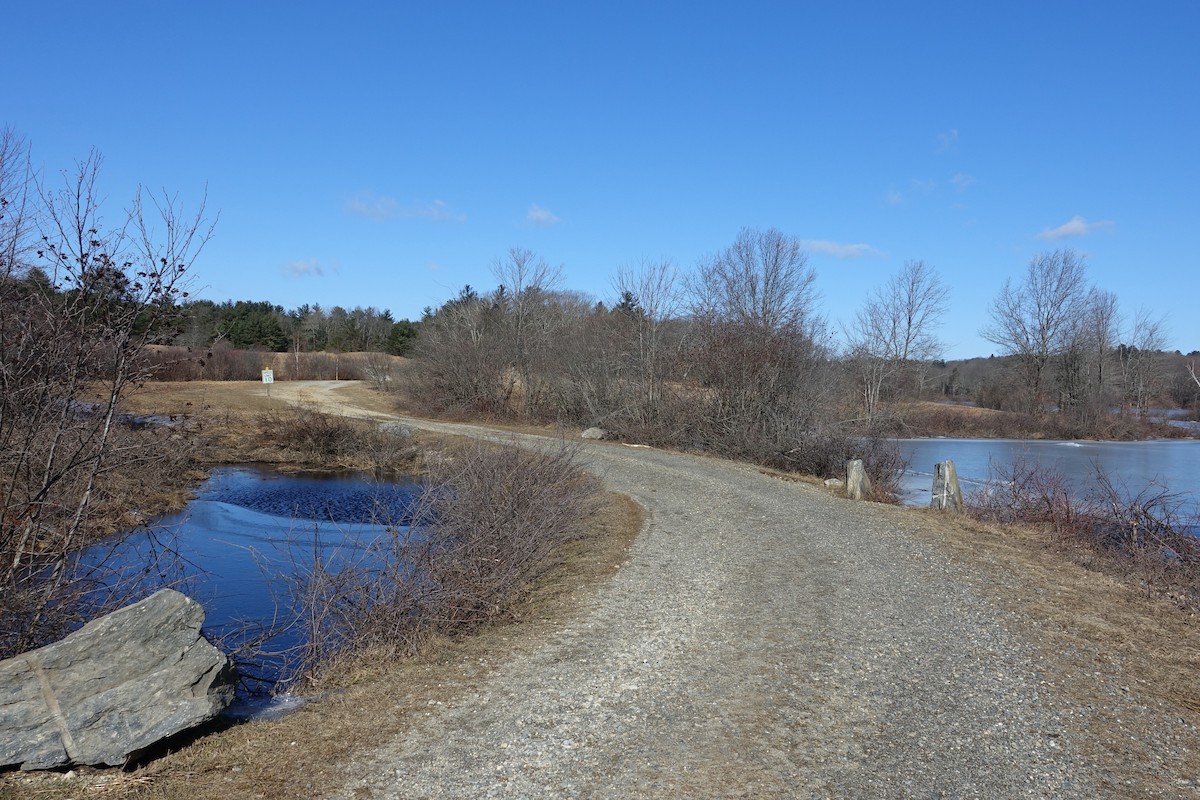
946,491
858,484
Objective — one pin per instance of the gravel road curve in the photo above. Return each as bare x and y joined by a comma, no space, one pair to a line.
764,639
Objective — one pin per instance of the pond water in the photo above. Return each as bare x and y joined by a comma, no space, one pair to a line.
1174,464
246,524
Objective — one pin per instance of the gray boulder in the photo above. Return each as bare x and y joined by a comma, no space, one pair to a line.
113,688
594,433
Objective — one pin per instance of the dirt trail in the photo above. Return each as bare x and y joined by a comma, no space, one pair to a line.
763,640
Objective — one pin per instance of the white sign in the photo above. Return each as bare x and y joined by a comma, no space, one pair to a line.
268,376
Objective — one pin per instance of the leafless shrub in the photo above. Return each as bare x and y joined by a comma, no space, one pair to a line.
327,366
826,453
1150,531
80,304
170,363
489,525
331,440
380,370
222,362
1150,528
48,594
1027,492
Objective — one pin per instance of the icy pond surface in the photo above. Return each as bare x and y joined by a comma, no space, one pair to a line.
247,525
1174,463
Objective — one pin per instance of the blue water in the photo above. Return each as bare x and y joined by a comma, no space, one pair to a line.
244,529
1173,464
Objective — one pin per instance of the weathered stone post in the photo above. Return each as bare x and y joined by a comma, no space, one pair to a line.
946,491
858,484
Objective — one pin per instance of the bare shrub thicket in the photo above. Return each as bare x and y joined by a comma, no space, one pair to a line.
79,304
221,362
754,346
462,358
1025,492
735,360
1156,529
327,366
492,521
1151,533
335,441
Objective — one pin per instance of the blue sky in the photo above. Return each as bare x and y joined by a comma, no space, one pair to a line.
387,153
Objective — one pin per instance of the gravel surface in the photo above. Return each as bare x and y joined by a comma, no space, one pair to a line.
764,639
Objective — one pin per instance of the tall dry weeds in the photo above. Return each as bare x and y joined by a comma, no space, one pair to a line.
330,440
1148,534
490,522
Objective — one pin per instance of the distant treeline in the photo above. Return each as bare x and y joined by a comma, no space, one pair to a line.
262,325
1156,378
1086,372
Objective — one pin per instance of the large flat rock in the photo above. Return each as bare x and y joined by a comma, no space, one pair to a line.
113,688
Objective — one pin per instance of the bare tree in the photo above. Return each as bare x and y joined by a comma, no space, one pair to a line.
525,283
894,331
649,299
758,347
761,282
73,343
1032,320
1141,360
1083,363
461,356
16,208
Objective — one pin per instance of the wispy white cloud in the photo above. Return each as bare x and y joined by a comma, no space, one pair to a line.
894,198
923,185
839,250
541,217
947,140
378,208
372,206
962,181
438,211
303,268
1076,226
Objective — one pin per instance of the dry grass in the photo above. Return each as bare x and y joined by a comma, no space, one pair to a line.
241,422
927,418
200,398
1104,642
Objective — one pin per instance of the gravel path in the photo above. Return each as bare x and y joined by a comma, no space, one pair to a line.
764,639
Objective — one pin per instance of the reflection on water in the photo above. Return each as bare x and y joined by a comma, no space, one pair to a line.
323,497
1133,466
246,524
